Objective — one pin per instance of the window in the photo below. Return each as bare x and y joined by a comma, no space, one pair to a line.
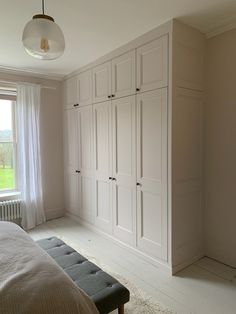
8,178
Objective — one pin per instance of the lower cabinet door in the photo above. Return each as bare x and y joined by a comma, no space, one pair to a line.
86,174
71,161
152,173
124,169
103,165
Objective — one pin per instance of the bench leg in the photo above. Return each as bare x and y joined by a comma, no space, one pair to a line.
121,309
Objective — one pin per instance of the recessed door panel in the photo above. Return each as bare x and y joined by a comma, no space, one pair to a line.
151,138
102,202
151,211
86,198
123,75
102,82
70,92
123,145
85,121
124,215
152,65
71,138
85,88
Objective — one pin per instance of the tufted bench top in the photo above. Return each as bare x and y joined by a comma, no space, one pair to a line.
105,291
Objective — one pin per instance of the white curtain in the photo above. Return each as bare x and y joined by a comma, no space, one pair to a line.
28,154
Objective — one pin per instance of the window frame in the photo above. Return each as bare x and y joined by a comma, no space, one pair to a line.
11,96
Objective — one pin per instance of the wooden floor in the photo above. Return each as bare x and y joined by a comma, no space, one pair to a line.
204,287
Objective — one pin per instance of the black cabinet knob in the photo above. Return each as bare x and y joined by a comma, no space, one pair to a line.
137,89
77,171
138,184
112,95
76,105
110,178
114,179
109,96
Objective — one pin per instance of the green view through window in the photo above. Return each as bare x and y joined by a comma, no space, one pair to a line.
7,146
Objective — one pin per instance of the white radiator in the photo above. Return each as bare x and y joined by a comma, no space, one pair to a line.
10,210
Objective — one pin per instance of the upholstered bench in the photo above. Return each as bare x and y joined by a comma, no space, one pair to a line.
105,291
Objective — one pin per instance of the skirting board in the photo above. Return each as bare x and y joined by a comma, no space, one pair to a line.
162,265
186,263
53,214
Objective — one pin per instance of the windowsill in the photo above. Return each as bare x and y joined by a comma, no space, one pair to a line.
9,195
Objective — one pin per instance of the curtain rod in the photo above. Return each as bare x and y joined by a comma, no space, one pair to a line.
15,84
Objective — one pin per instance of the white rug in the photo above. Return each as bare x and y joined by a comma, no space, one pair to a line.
139,302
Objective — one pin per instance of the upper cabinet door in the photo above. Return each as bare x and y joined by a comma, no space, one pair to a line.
123,75
152,65
70,92
102,82
84,86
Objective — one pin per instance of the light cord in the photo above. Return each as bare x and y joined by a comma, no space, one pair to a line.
43,6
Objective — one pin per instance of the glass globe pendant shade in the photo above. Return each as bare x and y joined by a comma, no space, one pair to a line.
42,38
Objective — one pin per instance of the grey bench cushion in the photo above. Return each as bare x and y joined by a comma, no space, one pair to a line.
105,291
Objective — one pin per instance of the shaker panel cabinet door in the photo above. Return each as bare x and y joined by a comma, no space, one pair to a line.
123,75
70,92
124,169
103,166
102,82
71,161
152,65
86,163
152,173
85,88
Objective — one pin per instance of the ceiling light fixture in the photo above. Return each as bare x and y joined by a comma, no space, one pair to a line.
42,37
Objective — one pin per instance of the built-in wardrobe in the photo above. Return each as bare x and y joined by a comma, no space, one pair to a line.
133,145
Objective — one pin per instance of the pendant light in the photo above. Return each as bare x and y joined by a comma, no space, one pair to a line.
42,37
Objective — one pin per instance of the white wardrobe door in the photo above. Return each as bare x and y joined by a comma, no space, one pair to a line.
124,169
70,92
86,163
102,82
103,165
85,88
71,160
123,75
152,172
152,65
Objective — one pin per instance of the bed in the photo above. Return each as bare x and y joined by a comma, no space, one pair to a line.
32,282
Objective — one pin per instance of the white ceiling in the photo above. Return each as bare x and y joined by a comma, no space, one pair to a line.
93,28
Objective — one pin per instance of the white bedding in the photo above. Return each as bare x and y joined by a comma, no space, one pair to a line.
31,282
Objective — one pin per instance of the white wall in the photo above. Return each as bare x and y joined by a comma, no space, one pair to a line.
220,148
51,143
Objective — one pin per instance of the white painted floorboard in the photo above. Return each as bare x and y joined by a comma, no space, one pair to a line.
206,287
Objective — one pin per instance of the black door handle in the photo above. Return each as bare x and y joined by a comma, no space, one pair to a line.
76,105
77,171
114,179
